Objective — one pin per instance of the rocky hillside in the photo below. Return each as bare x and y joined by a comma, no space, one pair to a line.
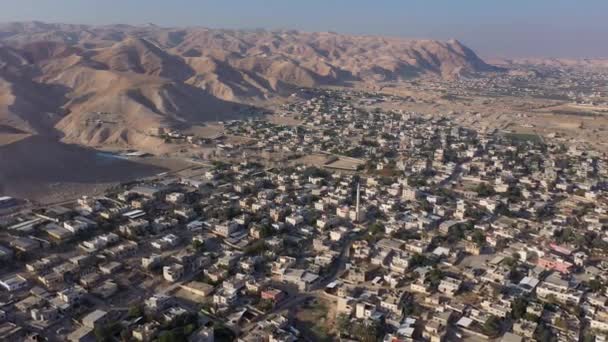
111,84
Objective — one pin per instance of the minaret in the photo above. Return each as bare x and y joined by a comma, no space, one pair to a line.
357,210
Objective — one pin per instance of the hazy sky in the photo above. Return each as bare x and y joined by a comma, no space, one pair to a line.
512,28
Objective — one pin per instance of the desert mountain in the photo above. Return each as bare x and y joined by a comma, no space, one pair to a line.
556,63
112,84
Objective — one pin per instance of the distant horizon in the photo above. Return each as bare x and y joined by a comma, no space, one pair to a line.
560,29
277,29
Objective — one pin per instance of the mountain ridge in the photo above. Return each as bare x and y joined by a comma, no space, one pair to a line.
148,76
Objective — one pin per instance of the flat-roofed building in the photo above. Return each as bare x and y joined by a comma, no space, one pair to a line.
13,282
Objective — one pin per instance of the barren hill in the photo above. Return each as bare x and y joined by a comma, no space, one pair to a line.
111,84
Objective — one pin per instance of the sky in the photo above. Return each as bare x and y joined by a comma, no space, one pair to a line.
493,28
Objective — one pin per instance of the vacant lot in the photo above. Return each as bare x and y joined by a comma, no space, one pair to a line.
315,319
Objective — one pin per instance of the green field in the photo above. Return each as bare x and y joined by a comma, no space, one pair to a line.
524,137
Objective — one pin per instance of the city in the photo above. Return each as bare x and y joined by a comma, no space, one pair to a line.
335,220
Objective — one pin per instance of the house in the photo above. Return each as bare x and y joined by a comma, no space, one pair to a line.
173,272
71,295
198,288
106,289
273,295
45,315
13,283
525,328
145,332
365,310
204,334
226,229
175,197
110,267
95,319
400,262
553,262
6,254
151,261
496,308
25,245
361,274
158,302
228,293
303,279
167,241
392,302
560,290
528,284
11,332
82,334
123,250
449,286
57,232
434,331
599,321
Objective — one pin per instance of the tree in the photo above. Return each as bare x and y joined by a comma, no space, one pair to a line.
256,248
366,331
596,285
492,326
198,245
531,317
589,337
515,275
135,311
484,190
376,229
409,307
519,308
174,335
434,277
544,333
418,260
343,323
265,305
315,172
107,331
561,323
222,333
479,238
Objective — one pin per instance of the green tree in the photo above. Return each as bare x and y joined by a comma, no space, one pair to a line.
479,238
434,277
198,245
174,335
492,326
256,248
265,305
223,334
484,190
519,308
418,260
596,285
343,323
106,332
135,311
